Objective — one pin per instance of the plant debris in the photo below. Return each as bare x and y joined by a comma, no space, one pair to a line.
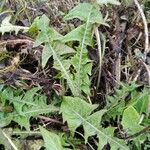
74,74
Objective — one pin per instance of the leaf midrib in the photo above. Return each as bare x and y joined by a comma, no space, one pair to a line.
100,132
81,51
72,87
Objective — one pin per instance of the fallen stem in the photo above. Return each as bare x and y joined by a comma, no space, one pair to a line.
145,27
99,54
146,129
49,119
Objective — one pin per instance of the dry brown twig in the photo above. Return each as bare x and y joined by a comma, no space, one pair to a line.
49,119
145,26
97,34
146,35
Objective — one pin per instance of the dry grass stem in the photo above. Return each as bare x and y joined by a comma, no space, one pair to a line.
145,26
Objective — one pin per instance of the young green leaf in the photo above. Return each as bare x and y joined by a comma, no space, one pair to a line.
117,103
108,137
46,54
81,12
78,34
130,120
50,38
65,72
25,106
5,119
83,34
52,140
45,33
85,72
77,112
74,117
142,102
